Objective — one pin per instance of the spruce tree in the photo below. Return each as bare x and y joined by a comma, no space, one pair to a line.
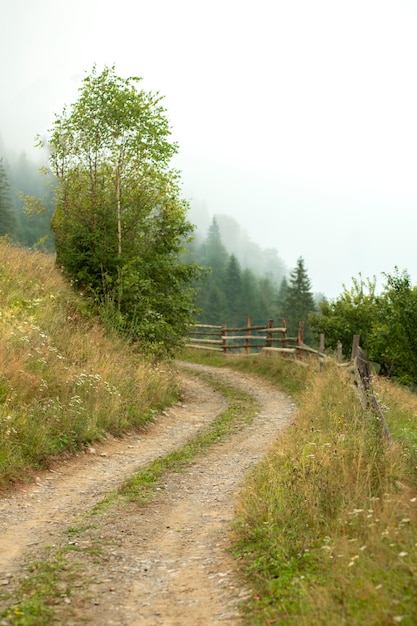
233,292
299,301
214,254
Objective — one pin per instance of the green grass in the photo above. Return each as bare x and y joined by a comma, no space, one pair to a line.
48,582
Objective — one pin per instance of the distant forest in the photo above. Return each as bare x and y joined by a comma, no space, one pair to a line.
242,279
31,226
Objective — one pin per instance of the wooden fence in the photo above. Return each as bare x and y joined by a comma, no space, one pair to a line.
268,338
363,381
249,339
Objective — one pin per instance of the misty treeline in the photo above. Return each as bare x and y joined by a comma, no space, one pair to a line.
27,224
248,282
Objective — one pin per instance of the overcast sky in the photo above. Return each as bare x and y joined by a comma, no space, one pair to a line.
296,117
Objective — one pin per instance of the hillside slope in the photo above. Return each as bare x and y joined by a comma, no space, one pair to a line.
63,381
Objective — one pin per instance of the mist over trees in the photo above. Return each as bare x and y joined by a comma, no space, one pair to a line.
7,219
28,225
232,291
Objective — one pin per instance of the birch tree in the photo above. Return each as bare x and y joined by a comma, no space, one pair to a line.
120,222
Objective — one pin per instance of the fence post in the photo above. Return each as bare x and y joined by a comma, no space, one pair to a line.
268,341
284,334
355,347
247,341
224,338
339,352
300,337
321,342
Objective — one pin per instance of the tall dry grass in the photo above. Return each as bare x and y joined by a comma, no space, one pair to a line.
63,381
327,524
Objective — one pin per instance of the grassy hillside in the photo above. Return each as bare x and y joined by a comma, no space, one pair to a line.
326,526
63,382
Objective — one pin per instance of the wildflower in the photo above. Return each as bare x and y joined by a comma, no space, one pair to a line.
402,554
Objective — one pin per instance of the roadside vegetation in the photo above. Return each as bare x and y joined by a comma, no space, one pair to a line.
326,525
64,382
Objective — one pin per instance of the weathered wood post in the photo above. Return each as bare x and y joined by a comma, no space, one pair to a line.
268,340
284,334
339,352
247,340
224,338
300,336
321,348
355,347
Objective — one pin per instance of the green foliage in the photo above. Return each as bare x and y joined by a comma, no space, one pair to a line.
350,314
393,342
386,323
120,224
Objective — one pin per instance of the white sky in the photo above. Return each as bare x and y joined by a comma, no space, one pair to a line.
296,117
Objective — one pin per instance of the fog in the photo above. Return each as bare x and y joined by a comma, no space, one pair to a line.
297,119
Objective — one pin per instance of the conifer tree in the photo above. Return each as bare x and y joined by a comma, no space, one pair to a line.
299,301
233,292
214,253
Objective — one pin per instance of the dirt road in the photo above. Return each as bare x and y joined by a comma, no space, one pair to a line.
165,564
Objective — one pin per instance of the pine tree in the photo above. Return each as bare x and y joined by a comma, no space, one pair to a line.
233,292
299,301
214,254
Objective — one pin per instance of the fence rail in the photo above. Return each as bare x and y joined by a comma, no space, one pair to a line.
261,338
248,339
